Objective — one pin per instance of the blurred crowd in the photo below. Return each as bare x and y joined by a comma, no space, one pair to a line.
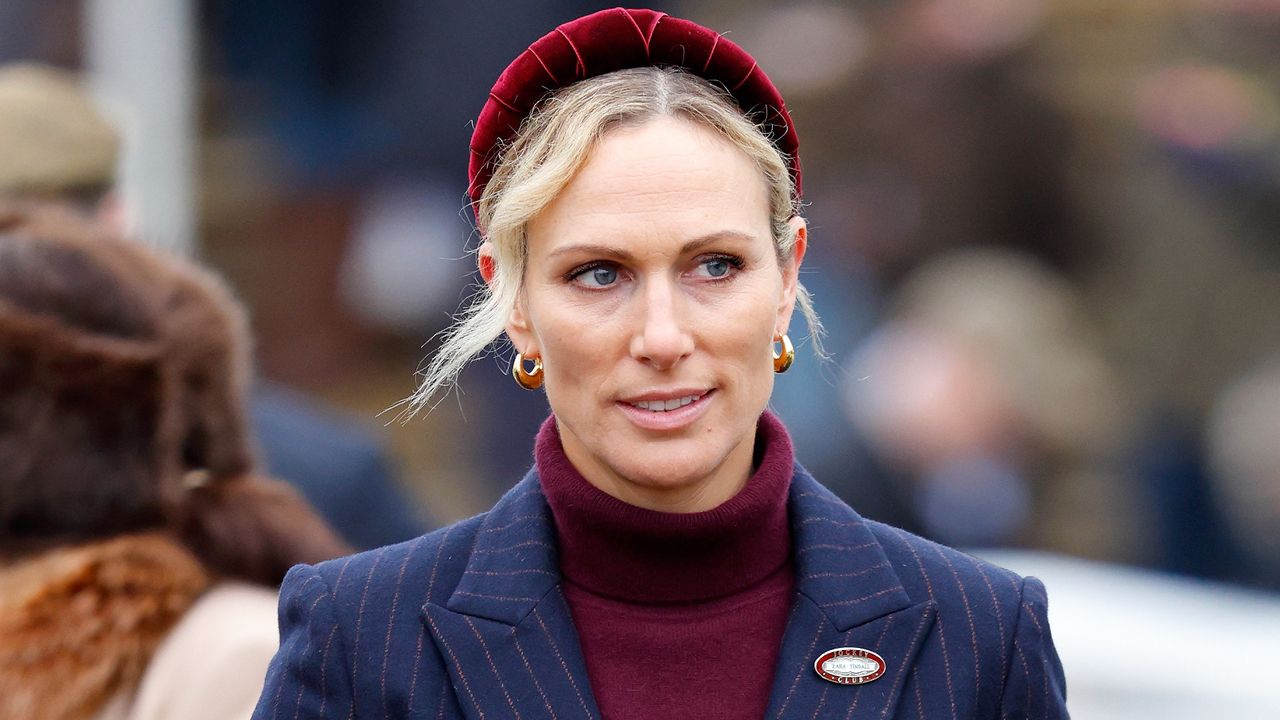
1045,247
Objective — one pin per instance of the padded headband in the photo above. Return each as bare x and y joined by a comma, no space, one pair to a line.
611,40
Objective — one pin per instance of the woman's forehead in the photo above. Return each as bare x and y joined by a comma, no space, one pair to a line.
667,177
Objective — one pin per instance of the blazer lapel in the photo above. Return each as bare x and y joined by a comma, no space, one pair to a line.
847,595
506,634
512,651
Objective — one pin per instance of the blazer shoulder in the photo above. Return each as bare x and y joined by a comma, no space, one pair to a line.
351,628
954,580
424,569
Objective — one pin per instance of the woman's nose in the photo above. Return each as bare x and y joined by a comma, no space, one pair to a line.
663,337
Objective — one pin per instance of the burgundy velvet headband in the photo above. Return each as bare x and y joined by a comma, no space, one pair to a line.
611,40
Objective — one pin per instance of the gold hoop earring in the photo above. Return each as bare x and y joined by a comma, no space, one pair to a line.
527,379
782,361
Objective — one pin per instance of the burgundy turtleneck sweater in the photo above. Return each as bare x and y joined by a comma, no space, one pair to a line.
679,615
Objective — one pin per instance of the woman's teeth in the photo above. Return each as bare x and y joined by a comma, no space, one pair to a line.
665,405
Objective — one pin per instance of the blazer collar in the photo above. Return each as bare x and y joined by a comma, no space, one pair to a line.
506,635
836,550
514,561
507,624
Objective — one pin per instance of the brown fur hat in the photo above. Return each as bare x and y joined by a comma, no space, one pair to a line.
118,358
123,373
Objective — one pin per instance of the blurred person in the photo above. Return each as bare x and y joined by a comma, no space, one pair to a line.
1244,459
637,188
140,546
985,390
58,148
1190,531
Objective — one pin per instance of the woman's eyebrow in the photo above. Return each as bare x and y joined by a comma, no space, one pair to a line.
620,254
715,237
590,249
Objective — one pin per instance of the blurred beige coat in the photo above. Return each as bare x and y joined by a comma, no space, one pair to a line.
212,664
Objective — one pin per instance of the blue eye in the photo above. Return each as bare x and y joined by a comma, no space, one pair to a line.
598,276
719,267
604,276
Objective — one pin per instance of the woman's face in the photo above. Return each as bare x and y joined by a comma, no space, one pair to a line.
652,294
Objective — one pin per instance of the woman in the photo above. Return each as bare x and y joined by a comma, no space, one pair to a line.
666,557
138,550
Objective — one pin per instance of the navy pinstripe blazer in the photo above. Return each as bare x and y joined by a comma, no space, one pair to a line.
470,622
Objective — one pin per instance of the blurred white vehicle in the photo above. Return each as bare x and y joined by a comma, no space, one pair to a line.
1139,645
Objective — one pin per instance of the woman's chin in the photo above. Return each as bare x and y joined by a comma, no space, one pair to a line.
672,483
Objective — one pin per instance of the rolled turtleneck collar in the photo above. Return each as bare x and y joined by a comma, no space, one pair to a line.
622,551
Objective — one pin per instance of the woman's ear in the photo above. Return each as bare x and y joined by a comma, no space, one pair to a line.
484,258
791,272
519,329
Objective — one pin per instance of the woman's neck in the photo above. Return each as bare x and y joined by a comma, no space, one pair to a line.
620,550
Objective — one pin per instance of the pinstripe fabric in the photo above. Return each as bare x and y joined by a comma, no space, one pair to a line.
470,622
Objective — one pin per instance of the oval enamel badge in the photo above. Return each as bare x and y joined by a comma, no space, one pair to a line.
849,666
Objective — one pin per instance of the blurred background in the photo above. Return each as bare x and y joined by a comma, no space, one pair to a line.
1045,242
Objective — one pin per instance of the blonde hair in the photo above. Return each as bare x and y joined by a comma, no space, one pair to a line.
552,145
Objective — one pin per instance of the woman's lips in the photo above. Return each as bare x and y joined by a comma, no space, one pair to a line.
667,405
667,413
